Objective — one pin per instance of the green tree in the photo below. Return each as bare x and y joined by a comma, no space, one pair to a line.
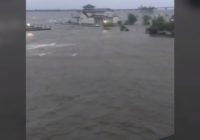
170,27
159,24
119,22
146,19
131,19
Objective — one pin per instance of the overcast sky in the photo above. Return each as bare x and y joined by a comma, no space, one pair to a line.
77,4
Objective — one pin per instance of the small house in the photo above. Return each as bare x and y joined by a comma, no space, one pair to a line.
97,16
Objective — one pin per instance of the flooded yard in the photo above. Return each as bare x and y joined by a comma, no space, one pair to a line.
84,83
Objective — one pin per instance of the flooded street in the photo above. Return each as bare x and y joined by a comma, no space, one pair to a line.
84,83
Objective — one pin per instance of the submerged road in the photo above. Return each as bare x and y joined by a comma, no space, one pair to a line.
88,84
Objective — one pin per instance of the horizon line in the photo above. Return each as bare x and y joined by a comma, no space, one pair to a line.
109,8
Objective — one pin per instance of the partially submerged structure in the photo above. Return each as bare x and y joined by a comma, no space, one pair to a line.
172,18
97,16
30,27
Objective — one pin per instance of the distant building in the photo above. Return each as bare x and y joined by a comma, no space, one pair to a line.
96,16
89,6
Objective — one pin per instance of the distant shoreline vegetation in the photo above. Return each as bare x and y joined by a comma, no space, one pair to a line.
147,9
142,8
52,10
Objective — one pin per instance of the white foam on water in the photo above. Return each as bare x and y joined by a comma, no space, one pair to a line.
66,45
33,17
74,54
42,54
38,46
52,21
104,31
29,35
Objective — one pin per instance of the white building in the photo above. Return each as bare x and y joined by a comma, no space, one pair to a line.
96,16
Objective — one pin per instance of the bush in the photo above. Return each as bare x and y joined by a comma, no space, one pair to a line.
123,28
108,24
159,25
169,26
152,30
146,20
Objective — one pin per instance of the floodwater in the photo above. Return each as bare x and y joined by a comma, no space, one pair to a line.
84,83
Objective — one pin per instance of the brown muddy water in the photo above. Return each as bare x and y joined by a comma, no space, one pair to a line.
84,83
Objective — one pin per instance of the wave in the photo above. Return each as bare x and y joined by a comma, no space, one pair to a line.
54,44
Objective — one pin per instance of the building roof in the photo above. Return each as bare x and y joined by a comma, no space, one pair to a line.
97,10
96,15
85,13
89,6
100,16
